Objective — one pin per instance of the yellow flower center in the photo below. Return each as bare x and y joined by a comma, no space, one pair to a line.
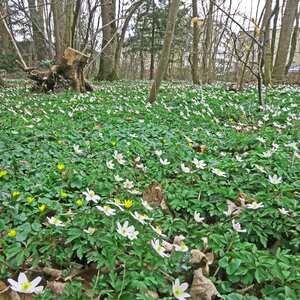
25,286
106,207
178,292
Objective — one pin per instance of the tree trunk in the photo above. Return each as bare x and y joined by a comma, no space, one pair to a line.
207,49
267,58
69,13
5,39
165,51
108,52
56,24
293,43
37,31
285,39
152,51
195,49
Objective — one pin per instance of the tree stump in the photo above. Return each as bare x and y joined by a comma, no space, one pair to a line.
68,72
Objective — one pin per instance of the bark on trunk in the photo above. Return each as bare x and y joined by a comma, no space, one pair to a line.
107,58
195,49
165,50
285,39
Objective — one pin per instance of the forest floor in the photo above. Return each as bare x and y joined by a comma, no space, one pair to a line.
107,197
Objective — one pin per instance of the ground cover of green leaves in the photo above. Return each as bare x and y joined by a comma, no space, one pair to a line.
250,145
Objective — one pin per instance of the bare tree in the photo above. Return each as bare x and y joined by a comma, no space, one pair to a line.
162,65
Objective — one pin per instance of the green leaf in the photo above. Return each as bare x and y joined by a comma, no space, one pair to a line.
223,262
233,266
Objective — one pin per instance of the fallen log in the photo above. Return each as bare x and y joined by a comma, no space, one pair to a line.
66,73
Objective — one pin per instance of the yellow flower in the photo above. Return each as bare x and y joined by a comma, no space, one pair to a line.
63,194
79,202
113,143
12,233
16,194
30,199
164,141
59,142
42,207
231,120
60,167
128,203
3,173
190,144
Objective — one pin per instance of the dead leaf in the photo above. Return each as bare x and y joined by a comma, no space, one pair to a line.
52,272
205,243
154,196
203,288
152,294
128,119
56,286
168,246
98,126
3,286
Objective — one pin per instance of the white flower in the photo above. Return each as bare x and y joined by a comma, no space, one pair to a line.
268,153
283,211
218,172
158,230
262,140
179,290
89,231
132,234
200,164
255,205
159,248
297,154
164,161
55,221
182,247
110,164
292,145
119,157
146,205
128,184
197,217
158,152
119,205
260,168
238,158
77,149
127,231
91,196
185,169
25,286
134,192
237,226
275,179
118,178
107,210
141,218
275,146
